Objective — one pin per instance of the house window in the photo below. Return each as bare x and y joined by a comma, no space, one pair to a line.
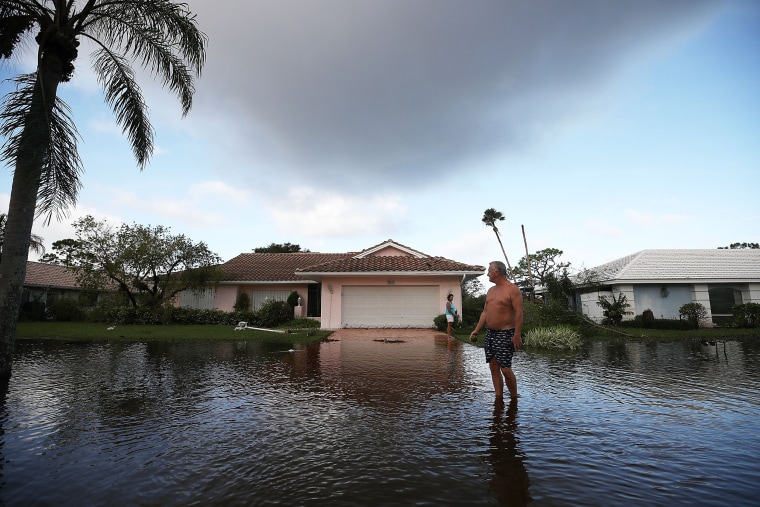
723,299
314,305
259,297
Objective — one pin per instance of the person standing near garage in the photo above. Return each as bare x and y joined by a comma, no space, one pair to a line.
451,313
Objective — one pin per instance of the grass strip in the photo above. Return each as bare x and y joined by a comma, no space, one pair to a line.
85,331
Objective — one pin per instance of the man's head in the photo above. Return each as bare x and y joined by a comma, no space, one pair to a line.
496,269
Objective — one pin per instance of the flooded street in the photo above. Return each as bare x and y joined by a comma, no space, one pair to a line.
373,420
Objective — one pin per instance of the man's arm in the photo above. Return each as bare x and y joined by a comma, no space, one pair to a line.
481,323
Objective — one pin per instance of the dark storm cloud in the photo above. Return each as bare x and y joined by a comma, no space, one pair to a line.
413,88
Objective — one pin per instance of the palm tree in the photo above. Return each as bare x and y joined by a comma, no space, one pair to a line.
490,217
41,139
36,243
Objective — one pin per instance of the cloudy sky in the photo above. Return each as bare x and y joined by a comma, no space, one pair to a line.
603,128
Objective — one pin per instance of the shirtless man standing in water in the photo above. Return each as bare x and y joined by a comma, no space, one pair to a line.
503,318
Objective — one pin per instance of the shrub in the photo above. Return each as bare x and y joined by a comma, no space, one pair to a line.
559,337
647,318
694,313
66,310
274,313
293,299
667,324
747,315
441,324
32,311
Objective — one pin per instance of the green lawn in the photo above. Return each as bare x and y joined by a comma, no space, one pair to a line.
80,331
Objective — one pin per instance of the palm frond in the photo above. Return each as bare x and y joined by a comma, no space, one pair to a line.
162,35
49,141
123,95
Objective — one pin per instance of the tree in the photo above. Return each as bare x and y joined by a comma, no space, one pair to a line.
473,300
490,217
740,246
543,265
35,241
146,264
279,248
64,251
41,138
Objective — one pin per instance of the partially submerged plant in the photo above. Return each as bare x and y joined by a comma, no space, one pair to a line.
559,337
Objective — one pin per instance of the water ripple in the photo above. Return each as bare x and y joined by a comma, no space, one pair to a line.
361,422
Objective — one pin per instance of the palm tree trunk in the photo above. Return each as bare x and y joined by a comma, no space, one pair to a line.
498,237
30,160
527,257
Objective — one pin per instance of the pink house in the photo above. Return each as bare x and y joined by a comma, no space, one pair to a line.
387,285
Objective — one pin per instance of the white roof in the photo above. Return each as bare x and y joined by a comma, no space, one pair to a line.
718,265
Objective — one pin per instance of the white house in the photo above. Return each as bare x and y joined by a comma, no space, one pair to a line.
664,280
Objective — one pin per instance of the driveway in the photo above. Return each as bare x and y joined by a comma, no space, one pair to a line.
395,334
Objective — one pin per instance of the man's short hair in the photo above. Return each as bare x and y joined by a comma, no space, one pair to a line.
500,267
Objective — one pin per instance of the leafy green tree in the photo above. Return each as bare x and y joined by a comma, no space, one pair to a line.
148,265
473,301
35,241
279,248
63,252
740,246
614,308
490,217
544,265
694,313
41,139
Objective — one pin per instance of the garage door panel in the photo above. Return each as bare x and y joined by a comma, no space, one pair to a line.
390,305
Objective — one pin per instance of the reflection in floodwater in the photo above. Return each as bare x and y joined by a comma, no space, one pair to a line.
371,420
510,477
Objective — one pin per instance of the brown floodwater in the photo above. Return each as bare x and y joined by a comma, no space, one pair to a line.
372,421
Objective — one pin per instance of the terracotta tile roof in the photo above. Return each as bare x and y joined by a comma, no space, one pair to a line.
289,267
273,267
682,264
392,263
39,274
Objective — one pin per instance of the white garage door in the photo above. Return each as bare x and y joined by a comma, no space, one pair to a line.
390,306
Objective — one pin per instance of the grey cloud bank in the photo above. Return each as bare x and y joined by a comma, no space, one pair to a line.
354,90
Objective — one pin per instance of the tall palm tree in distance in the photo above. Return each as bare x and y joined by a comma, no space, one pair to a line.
490,217
162,36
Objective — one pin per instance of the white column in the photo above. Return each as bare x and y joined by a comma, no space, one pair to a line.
700,293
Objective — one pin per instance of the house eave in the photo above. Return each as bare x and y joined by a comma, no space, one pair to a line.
656,281
265,282
389,273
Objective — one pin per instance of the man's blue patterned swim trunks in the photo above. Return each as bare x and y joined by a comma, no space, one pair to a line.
498,343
